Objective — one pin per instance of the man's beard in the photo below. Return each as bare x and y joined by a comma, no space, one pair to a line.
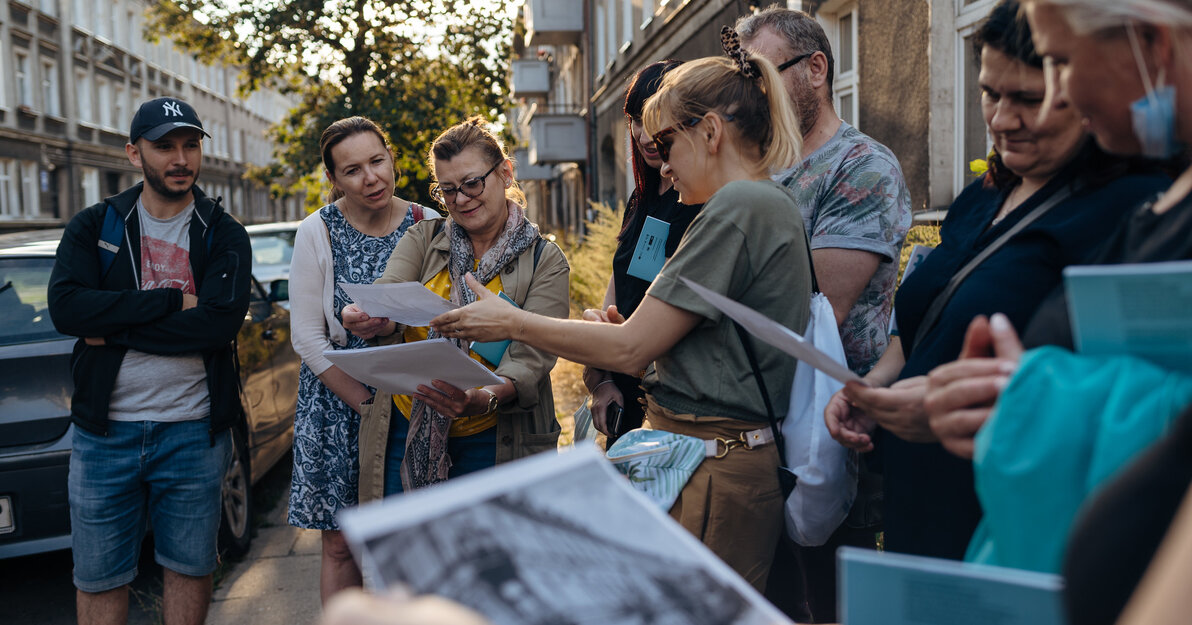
807,102
157,182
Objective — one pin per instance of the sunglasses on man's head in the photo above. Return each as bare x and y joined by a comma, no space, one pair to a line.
471,188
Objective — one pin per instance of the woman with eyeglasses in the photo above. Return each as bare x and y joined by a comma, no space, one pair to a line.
721,126
654,218
348,240
444,431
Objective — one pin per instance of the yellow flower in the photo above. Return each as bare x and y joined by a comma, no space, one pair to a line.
978,166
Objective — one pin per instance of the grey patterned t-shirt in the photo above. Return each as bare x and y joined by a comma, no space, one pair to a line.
852,196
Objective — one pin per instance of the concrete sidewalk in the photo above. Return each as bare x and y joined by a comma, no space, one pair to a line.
277,583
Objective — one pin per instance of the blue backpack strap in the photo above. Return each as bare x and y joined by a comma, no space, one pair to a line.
110,236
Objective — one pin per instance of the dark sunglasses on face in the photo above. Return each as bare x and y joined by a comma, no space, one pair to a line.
471,188
663,140
795,61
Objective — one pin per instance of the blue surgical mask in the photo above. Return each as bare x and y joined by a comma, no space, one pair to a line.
1153,115
1154,123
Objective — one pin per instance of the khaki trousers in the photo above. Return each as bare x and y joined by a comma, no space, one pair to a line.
732,504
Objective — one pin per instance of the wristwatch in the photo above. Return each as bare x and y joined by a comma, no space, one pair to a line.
492,401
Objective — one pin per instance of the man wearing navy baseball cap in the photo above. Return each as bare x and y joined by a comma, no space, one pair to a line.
154,281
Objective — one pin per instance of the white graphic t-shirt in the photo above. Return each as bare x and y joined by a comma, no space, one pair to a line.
152,387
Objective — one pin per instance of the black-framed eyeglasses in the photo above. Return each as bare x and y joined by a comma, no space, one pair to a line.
471,188
795,61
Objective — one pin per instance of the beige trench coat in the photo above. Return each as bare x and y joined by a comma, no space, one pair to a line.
525,426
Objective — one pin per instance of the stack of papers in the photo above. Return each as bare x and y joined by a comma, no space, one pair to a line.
407,303
401,368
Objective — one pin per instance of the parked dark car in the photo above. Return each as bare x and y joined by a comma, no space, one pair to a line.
35,391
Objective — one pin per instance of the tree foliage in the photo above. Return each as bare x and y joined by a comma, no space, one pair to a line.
414,66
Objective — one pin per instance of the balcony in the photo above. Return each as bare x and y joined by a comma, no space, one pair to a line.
558,138
526,172
554,22
531,78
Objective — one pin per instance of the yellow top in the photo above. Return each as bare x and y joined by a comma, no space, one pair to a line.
465,426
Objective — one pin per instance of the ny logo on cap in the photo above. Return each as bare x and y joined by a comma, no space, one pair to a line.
172,108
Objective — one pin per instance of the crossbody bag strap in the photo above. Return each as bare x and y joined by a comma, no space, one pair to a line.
761,386
937,306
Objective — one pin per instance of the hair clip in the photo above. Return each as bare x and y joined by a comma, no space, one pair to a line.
731,42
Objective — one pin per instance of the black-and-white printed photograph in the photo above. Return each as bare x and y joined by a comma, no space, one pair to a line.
556,539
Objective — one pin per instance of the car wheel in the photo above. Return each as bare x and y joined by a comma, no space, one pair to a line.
235,530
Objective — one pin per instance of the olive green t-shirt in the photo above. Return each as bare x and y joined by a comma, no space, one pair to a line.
749,245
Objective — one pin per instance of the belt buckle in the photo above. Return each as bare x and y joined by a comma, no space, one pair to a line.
731,444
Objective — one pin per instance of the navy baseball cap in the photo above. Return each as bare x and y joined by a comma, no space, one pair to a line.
157,117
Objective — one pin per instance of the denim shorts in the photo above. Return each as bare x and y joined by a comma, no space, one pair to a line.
468,453
142,474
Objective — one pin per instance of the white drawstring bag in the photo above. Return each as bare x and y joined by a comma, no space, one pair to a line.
825,471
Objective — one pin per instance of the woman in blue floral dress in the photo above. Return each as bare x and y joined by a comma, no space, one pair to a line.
348,240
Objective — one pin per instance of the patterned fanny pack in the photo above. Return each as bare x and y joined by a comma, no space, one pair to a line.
659,463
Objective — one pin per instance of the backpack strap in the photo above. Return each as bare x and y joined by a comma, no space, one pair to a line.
538,250
110,236
417,212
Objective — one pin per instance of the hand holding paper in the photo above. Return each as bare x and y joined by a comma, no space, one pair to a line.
408,303
487,319
402,368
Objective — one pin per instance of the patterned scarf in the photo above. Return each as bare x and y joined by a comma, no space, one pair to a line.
426,460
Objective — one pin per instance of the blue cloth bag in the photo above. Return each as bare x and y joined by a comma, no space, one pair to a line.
1064,425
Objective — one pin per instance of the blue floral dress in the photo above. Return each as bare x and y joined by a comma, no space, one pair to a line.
326,430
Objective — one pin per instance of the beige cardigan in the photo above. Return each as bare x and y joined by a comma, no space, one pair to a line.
525,426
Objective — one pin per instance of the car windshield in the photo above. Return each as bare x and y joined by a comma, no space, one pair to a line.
272,248
24,310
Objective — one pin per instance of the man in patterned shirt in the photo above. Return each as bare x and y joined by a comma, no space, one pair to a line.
856,209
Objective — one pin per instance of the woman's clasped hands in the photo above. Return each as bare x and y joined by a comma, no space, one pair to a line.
961,394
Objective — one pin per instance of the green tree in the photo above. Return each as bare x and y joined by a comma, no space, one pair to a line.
414,66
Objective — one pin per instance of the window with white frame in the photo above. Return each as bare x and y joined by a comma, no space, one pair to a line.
103,99
627,28
120,114
647,12
841,28
30,195
971,136
24,74
599,38
51,99
81,14
3,86
10,200
86,112
90,185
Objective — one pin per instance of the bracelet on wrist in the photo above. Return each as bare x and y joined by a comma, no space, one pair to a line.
602,383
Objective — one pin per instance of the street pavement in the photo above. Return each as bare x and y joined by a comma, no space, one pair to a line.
277,583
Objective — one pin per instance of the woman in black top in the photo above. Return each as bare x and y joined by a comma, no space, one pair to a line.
1100,75
653,197
931,506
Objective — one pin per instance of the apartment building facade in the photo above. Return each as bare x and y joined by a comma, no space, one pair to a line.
72,73
906,74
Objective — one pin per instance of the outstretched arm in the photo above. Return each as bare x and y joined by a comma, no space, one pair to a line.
629,347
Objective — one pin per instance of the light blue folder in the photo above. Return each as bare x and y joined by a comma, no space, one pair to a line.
879,588
650,253
494,351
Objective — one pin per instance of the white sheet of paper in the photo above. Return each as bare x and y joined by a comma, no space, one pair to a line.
401,368
774,333
408,303
564,535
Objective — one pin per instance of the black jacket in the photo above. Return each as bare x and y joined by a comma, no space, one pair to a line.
85,304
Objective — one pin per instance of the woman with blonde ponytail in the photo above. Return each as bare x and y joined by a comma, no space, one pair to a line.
721,126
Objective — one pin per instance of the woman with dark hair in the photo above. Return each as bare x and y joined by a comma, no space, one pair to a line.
348,240
1051,198
654,199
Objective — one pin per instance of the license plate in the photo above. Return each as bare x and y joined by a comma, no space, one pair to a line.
6,523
